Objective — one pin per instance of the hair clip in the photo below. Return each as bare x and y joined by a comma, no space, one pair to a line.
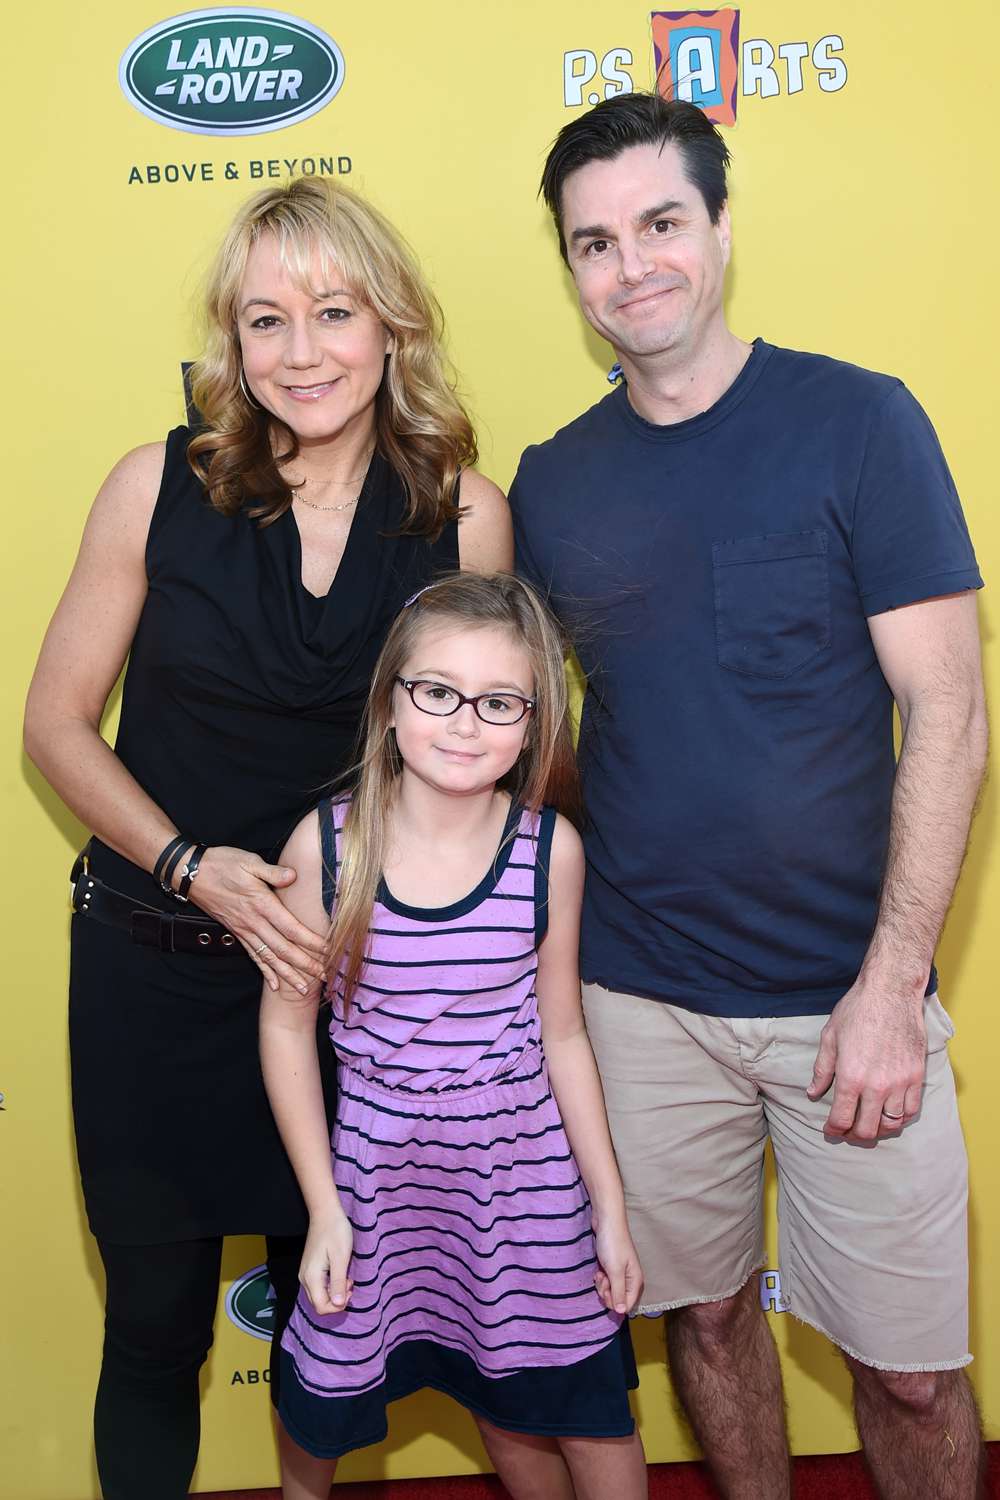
414,597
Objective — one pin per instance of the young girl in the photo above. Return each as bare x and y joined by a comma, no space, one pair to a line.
471,1236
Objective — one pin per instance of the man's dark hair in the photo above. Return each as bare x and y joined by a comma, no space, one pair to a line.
640,119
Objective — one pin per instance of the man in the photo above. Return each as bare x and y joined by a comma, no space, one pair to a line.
760,551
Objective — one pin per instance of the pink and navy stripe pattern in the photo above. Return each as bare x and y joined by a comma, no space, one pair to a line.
447,998
471,1222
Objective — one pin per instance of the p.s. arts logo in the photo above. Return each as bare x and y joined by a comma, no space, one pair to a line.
699,56
231,71
250,1303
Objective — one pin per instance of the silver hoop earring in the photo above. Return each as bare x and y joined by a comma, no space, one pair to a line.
249,399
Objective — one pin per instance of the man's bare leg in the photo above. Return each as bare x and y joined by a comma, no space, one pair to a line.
727,1376
921,1433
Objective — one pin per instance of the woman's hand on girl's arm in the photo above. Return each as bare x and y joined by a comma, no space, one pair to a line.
573,1072
292,1078
235,887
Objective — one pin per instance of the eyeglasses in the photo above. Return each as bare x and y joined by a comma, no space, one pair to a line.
493,708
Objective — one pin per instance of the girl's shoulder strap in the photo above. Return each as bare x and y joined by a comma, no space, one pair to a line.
543,825
332,812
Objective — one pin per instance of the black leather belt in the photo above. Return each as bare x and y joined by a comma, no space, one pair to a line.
144,924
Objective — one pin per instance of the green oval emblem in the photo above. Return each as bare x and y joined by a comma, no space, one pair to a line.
231,71
250,1303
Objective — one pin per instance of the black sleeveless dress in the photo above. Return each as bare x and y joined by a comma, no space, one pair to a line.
242,699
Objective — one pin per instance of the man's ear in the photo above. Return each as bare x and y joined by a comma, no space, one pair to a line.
724,229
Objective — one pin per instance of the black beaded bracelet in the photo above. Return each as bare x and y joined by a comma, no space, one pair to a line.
176,846
189,870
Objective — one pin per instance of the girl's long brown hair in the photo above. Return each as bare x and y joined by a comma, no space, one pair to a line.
544,774
421,428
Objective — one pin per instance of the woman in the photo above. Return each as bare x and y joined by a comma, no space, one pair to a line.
249,573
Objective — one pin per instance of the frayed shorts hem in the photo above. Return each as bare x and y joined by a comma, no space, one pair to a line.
653,1309
915,1368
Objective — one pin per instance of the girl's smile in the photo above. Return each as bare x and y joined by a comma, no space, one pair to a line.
465,757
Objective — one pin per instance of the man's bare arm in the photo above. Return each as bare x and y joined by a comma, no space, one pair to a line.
874,1045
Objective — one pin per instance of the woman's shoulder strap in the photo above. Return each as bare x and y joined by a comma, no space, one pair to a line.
177,472
180,491
446,549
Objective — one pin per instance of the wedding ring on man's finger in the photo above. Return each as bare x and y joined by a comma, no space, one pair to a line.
262,949
887,1116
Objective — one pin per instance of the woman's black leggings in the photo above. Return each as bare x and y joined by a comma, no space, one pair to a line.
157,1333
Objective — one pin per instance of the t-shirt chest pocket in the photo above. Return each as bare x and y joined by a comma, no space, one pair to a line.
772,602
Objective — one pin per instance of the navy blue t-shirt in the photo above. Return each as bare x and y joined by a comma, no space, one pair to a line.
736,745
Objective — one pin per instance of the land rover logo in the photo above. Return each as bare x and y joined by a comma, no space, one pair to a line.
230,71
250,1303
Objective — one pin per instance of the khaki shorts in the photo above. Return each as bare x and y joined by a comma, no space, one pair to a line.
872,1239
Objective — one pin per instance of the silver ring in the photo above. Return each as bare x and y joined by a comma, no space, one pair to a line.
886,1115
262,949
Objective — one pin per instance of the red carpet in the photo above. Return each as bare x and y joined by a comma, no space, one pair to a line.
840,1477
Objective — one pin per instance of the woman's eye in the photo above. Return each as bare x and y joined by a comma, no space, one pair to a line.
267,321
334,314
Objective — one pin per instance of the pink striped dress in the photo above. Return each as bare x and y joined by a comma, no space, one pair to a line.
474,1258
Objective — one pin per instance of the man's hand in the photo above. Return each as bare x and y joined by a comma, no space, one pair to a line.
873,1050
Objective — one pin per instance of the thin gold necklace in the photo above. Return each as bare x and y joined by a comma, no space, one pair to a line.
325,483
346,505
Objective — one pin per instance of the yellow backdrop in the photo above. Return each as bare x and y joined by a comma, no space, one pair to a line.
864,227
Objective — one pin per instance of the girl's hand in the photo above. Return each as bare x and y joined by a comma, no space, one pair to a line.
235,887
325,1262
619,1276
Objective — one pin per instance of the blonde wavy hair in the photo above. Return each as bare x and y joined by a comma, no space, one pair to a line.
421,428
544,774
